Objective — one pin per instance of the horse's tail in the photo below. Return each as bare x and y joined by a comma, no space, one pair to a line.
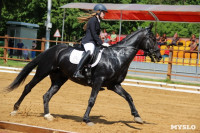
24,73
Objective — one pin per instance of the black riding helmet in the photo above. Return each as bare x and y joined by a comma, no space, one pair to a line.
100,7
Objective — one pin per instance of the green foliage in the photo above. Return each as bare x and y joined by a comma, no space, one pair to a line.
1,52
183,29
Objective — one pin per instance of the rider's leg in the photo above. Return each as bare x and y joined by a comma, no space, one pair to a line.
80,66
89,48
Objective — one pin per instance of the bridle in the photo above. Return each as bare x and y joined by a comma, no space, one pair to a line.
152,50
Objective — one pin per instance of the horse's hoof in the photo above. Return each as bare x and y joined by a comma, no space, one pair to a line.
90,124
138,120
49,117
13,113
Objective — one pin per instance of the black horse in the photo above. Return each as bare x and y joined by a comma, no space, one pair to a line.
109,72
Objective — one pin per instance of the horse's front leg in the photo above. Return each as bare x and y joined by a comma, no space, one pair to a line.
95,90
119,90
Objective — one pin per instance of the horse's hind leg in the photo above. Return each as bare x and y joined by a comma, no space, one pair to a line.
119,90
57,80
36,79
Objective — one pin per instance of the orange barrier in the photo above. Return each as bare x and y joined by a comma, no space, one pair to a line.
22,49
43,41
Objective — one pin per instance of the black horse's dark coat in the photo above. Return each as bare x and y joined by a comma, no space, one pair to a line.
109,72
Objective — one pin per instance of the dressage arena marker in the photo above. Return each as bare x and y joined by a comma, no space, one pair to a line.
196,88
28,128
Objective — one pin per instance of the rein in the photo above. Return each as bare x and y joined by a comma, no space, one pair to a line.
125,47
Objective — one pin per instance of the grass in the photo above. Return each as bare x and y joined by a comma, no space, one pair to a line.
13,63
1,52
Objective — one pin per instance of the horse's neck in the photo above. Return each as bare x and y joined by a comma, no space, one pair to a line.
131,41
126,55
128,48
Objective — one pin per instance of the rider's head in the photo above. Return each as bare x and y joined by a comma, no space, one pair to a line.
100,10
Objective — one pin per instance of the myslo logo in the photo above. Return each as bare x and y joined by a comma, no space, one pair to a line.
183,127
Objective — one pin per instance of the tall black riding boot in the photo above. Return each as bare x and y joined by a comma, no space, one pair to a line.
77,73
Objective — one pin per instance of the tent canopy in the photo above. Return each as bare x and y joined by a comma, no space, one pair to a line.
142,12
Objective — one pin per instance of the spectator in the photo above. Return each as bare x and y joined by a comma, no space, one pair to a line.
34,45
19,52
113,37
166,53
106,40
175,40
11,44
163,40
103,34
193,46
25,53
193,37
157,38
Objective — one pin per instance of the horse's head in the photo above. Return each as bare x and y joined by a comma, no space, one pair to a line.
149,45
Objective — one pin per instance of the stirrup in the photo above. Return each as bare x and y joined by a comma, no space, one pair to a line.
78,75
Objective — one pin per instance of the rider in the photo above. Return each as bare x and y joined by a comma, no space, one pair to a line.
92,28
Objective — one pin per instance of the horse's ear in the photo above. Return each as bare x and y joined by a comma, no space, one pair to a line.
151,25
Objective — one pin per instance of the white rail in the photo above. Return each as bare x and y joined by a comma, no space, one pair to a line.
161,84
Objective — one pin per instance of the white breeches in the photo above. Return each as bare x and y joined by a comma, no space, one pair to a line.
89,47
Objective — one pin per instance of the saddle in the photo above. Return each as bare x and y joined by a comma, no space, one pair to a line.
87,70
94,55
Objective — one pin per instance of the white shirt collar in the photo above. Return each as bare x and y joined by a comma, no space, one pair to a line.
98,19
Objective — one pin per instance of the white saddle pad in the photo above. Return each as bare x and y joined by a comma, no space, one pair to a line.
76,56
